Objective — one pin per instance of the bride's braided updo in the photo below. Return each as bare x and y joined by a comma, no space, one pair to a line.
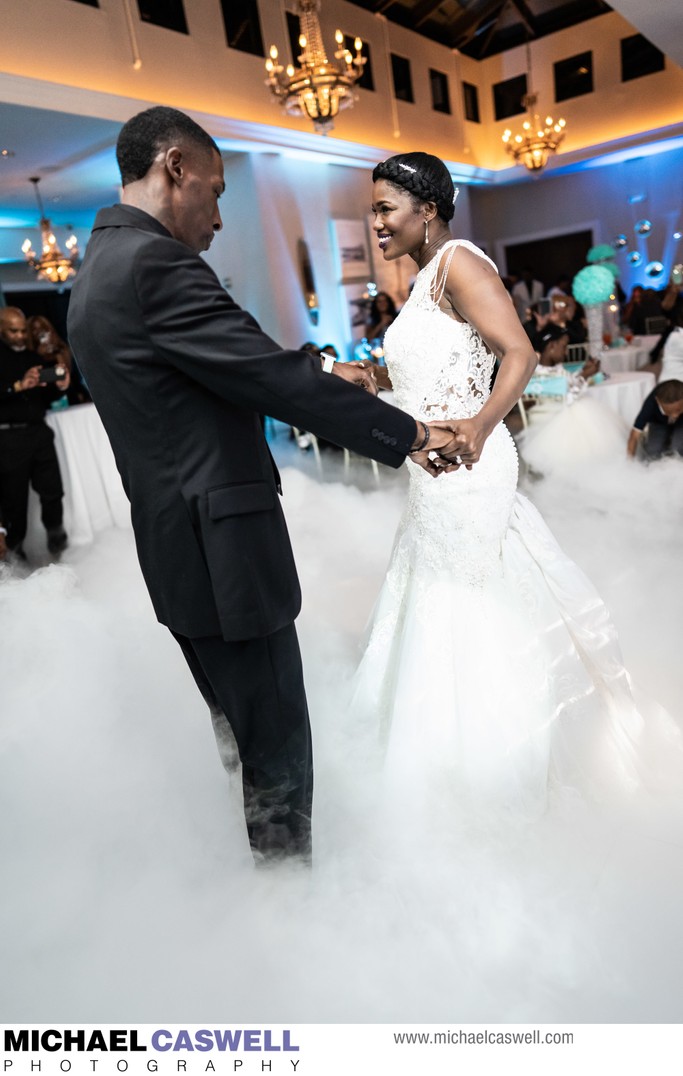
424,177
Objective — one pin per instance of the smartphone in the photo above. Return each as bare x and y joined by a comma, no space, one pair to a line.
50,374
677,275
544,306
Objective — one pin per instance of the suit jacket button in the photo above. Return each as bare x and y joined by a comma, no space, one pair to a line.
375,432
392,441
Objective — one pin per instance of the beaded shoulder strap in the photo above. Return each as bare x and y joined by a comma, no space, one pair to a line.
438,283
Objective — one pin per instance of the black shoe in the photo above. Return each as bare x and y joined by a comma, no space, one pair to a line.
57,540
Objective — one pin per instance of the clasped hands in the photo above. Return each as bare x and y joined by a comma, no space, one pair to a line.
457,443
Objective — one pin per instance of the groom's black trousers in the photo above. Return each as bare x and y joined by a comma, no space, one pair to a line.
257,684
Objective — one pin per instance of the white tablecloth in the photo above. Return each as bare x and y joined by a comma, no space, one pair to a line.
624,393
93,494
624,359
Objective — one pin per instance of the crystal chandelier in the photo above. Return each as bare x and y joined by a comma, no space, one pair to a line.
52,265
316,88
538,140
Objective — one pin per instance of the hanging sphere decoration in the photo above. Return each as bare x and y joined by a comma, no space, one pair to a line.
635,258
619,241
654,269
643,226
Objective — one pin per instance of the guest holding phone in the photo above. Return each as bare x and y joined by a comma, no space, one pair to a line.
28,385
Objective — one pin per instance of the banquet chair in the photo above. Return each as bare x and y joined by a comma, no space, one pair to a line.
347,464
577,352
315,446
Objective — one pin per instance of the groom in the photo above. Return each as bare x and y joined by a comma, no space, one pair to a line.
180,375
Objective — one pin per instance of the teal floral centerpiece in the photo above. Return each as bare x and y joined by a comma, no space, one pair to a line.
592,287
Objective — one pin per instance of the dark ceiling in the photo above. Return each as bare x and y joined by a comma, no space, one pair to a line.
482,28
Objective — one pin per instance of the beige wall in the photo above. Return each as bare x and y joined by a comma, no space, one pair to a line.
92,51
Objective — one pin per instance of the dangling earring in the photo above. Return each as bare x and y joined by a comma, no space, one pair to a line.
426,233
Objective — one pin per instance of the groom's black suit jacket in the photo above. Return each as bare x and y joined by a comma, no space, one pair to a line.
180,374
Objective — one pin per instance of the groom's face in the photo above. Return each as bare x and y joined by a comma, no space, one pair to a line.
198,186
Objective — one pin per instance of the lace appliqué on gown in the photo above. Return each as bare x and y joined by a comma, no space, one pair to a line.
491,660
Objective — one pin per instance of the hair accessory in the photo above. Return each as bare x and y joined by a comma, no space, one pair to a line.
456,192
406,167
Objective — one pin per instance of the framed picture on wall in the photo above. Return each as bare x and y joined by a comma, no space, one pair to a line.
351,249
357,305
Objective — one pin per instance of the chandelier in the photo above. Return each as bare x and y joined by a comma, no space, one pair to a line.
316,88
538,139
52,265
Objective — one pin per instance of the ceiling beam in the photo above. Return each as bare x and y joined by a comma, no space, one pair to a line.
465,27
527,16
422,11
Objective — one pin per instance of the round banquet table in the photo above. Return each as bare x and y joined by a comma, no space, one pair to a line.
624,392
93,495
628,357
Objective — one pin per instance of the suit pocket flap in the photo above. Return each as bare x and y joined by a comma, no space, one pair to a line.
239,500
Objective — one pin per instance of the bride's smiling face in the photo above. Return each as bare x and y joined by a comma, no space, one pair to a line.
398,224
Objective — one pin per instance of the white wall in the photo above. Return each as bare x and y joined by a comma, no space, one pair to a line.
271,202
597,197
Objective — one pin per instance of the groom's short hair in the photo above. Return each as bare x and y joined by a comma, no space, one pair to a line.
141,138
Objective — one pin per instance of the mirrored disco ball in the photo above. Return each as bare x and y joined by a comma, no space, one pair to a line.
619,241
654,269
635,258
643,227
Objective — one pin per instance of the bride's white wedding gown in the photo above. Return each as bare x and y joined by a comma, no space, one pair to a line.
492,664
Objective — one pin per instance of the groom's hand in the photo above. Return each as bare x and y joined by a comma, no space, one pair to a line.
357,374
465,440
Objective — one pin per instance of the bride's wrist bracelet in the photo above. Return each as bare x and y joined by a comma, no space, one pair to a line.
421,447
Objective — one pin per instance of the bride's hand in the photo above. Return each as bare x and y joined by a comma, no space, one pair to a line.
422,459
358,374
466,444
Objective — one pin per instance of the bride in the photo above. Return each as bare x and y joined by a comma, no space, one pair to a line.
491,660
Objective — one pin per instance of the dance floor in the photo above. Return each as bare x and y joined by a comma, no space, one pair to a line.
129,893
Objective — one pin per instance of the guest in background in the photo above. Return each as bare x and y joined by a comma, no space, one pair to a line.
565,313
671,297
568,428
562,286
43,338
27,451
509,282
526,292
552,351
382,312
643,304
666,357
658,427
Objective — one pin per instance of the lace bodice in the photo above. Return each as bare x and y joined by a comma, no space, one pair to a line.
440,368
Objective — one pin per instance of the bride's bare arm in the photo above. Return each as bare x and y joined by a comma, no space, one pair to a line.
474,293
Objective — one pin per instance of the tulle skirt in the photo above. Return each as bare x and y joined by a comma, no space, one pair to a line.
503,689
